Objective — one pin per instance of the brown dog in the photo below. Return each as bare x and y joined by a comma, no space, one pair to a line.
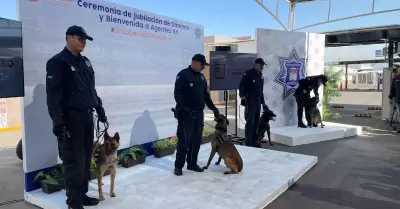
106,157
226,149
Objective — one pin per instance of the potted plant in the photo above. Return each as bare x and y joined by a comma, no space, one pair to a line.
93,174
52,181
207,136
132,156
164,147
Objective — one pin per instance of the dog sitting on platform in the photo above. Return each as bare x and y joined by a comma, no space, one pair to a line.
264,126
226,149
314,113
105,156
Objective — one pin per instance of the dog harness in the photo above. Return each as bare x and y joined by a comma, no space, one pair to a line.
221,138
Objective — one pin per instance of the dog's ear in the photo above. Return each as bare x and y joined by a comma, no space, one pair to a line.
106,136
116,136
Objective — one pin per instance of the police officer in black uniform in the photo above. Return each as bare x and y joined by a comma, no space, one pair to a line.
251,92
302,94
191,96
71,100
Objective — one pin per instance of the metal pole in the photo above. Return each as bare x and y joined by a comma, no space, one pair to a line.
390,54
236,116
346,79
226,102
291,16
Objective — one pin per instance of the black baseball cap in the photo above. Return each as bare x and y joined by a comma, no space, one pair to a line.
78,31
200,58
260,61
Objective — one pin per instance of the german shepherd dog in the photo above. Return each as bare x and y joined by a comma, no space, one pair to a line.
105,156
226,149
314,113
263,126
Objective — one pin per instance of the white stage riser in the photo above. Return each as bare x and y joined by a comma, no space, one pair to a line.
266,174
294,136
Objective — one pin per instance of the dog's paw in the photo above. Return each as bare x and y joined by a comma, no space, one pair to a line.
270,144
101,198
217,163
112,194
228,172
205,167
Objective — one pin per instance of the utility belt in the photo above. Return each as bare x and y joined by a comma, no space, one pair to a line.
249,100
72,110
182,112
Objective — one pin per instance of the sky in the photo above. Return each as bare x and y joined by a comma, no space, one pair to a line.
234,18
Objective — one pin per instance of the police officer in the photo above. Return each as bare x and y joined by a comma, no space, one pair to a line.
191,96
71,99
302,94
251,92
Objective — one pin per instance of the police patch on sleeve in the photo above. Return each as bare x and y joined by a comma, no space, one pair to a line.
88,63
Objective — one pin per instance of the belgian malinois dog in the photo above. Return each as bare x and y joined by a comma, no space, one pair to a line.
263,126
226,149
314,113
105,156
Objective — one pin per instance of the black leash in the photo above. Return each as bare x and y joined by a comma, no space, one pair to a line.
100,132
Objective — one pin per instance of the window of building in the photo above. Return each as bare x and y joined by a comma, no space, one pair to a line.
362,78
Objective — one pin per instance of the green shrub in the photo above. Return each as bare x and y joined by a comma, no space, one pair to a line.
131,153
164,144
54,176
207,132
331,91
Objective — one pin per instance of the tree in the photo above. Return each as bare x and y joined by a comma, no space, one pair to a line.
331,90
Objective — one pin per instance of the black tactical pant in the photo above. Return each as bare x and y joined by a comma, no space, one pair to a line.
76,152
302,106
189,133
252,116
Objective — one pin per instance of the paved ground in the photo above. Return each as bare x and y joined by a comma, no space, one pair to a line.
355,173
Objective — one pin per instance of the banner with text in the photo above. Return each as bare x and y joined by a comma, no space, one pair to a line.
226,69
135,54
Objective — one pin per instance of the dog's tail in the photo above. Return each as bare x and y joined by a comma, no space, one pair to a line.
240,163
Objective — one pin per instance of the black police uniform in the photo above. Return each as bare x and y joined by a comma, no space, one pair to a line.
251,88
191,96
395,89
302,95
71,98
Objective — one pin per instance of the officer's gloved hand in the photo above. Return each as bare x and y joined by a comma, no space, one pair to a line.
265,107
103,119
59,130
216,113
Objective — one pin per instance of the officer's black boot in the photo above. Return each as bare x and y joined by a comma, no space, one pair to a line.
300,116
178,172
80,207
195,168
89,201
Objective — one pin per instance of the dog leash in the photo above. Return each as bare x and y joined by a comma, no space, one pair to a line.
99,133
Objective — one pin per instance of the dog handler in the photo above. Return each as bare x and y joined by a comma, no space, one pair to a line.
251,92
302,94
71,98
191,96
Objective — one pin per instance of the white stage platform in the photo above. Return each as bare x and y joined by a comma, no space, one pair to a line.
293,136
266,175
